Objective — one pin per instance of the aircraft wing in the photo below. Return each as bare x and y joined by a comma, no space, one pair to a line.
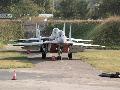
20,40
56,42
90,45
28,44
81,40
50,42
86,45
45,37
78,44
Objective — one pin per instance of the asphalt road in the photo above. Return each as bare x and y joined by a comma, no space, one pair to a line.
57,75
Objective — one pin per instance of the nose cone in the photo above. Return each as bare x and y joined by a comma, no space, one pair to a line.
62,40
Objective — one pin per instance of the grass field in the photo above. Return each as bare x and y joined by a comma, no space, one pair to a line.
106,60
1,45
13,60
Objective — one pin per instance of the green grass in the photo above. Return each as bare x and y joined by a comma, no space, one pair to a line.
106,60
14,60
1,44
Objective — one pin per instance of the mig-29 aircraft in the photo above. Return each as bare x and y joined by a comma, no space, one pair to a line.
56,43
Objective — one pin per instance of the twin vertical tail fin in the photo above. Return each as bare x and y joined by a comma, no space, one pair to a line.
64,28
37,31
70,34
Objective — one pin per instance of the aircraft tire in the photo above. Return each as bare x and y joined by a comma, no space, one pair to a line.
43,55
59,58
70,56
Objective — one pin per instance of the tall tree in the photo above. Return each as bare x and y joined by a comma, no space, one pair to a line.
68,8
93,7
72,9
5,4
109,8
81,9
24,7
45,5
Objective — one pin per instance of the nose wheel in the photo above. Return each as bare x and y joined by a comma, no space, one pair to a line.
44,52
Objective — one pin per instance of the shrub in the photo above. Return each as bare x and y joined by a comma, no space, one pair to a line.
10,30
107,33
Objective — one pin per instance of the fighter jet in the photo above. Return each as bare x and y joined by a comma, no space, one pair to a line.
32,43
57,43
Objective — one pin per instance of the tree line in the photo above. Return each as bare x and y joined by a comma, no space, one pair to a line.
63,9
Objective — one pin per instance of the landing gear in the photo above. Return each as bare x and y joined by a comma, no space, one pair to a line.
43,55
70,56
59,52
59,58
44,51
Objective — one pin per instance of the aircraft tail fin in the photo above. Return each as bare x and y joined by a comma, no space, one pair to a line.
70,34
37,31
64,28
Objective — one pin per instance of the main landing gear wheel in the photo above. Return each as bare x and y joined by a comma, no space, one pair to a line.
59,58
70,56
43,55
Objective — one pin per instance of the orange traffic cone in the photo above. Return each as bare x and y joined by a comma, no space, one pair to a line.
14,75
